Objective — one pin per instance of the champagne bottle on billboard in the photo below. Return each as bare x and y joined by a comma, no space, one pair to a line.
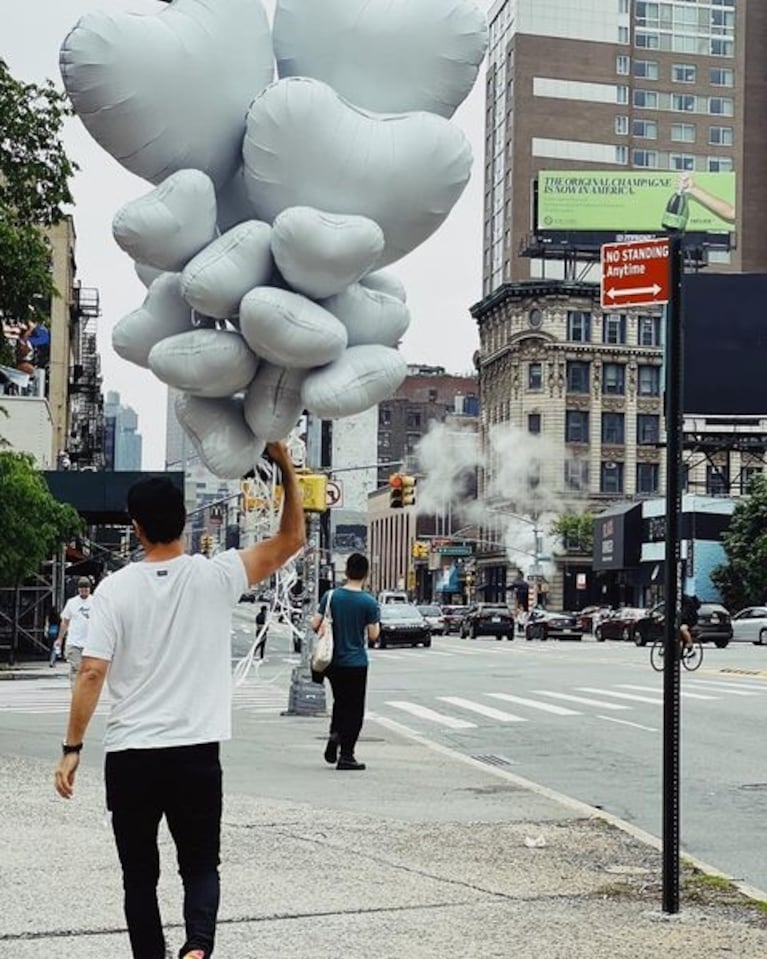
677,212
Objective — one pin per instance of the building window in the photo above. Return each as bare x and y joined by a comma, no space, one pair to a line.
648,429
613,328
683,132
649,381
578,326
720,165
646,40
646,99
647,477
576,426
611,477
622,65
384,441
621,126
683,73
535,376
717,480
721,136
577,376
614,379
645,129
384,416
684,102
621,94
681,161
412,440
722,48
645,158
413,419
748,473
648,331
719,77
613,428
534,423
622,155
623,34
648,69
577,474
722,106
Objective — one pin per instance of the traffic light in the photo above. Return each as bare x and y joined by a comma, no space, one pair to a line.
206,544
420,549
408,490
401,490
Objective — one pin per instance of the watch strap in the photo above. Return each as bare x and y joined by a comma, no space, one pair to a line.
66,748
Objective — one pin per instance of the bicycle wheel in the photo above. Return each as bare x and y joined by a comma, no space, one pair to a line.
692,657
657,652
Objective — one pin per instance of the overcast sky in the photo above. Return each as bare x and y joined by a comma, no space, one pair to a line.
443,277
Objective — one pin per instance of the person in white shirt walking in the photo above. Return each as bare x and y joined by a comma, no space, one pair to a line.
160,636
75,618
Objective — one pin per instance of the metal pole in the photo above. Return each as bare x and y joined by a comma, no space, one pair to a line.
671,679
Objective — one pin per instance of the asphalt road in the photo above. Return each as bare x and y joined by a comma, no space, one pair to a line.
582,718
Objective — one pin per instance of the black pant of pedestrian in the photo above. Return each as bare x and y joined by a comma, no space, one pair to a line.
349,684
183,783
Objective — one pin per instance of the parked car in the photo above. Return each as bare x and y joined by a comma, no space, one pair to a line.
402,625
392,596
620,624
434,617
714,625
454,617
591,616
487,619
750,626
546,624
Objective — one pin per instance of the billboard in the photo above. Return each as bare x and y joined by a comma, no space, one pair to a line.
628,201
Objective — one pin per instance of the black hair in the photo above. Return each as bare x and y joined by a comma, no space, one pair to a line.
157,505
357,566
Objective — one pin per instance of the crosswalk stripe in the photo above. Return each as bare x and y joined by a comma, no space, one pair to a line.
423,712
626,722
566,697
534,704
658,692
733,689
610,692
489,711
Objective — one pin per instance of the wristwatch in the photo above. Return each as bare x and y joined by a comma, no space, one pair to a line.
66,748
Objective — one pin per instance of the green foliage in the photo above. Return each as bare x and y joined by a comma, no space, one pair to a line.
575,531
32,523
34,184
743,580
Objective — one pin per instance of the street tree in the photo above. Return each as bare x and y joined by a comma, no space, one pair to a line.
33,525
742,580
575,531
34,185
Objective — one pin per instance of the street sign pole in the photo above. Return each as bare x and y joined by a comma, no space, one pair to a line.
671,678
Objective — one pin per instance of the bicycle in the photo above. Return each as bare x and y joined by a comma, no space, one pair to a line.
691,656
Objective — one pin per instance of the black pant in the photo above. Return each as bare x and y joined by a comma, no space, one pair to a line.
183,783
349,684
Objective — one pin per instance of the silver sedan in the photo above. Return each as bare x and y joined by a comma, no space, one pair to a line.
750,626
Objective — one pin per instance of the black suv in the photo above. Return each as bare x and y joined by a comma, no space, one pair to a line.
487,619
714,625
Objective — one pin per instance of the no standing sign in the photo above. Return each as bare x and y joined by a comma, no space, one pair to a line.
635,274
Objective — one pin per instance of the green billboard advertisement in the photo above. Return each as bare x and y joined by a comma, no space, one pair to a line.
623,201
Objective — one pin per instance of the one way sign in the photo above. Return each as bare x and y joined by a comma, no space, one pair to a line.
635,274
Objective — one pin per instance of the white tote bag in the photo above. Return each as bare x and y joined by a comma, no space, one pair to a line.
322,654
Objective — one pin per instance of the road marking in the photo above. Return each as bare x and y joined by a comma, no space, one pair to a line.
483,710
625,722
658,692
439,652
466,652
609,692
732,689
534,704
383,654
423,712
579,699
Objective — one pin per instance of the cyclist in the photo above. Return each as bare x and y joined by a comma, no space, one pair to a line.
688,621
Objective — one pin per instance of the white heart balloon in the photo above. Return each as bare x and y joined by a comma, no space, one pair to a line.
220,434
305,146
385,282
168,92
361,378
273,402
204,362
164,313
369,315
391,56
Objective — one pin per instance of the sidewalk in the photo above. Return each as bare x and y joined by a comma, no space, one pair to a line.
422,856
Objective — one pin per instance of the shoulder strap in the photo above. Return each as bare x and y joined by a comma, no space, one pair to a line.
328,611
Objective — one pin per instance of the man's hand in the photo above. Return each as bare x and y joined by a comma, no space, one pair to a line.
64,777
279,454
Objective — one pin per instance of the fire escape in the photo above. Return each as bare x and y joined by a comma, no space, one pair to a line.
86,432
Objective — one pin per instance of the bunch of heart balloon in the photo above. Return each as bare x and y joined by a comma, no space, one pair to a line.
277,201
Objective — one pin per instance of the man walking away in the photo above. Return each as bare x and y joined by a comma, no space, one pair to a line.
355,618
160,633
75,618
261,631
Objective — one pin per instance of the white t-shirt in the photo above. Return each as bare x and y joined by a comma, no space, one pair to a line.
78,611
166,628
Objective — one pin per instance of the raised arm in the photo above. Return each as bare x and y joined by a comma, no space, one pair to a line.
264,558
